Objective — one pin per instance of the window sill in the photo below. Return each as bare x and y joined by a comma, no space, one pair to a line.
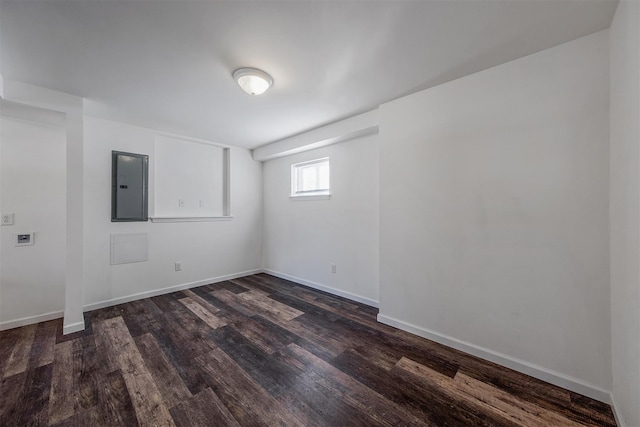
191,219
311,197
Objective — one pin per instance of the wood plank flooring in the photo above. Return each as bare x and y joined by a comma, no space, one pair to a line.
261,351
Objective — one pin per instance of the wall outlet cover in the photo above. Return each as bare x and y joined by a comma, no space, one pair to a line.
7,219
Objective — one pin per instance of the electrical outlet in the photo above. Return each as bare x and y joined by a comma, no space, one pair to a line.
202,203
7,219
178,266
333,268
181,203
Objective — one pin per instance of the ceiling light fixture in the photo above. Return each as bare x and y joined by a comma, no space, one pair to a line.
252,80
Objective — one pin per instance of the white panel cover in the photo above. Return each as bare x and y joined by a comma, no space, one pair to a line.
126,248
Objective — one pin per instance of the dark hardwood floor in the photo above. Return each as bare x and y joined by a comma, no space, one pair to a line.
262,351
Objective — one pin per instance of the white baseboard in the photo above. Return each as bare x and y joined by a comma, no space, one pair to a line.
156,292
553,377
24,321
616,414
79,326
328,289
73,327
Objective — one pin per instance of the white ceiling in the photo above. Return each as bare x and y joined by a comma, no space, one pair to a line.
168,64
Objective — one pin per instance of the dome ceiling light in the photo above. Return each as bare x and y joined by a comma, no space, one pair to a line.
252,80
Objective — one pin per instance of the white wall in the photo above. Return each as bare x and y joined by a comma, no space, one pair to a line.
625,210
494,219
188,171
50,102
33,169
207,250
303,238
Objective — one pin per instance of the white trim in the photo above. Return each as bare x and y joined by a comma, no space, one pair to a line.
159,138
544,374
79,326
30,320
328,289
73,327
190,218
156,292
311,162
226,183
616,414
301,197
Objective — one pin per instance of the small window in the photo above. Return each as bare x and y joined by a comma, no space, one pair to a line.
310,178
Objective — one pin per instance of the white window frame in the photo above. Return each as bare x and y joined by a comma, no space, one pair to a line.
296,177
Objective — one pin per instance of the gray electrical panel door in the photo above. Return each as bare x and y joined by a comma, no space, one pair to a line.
129,186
